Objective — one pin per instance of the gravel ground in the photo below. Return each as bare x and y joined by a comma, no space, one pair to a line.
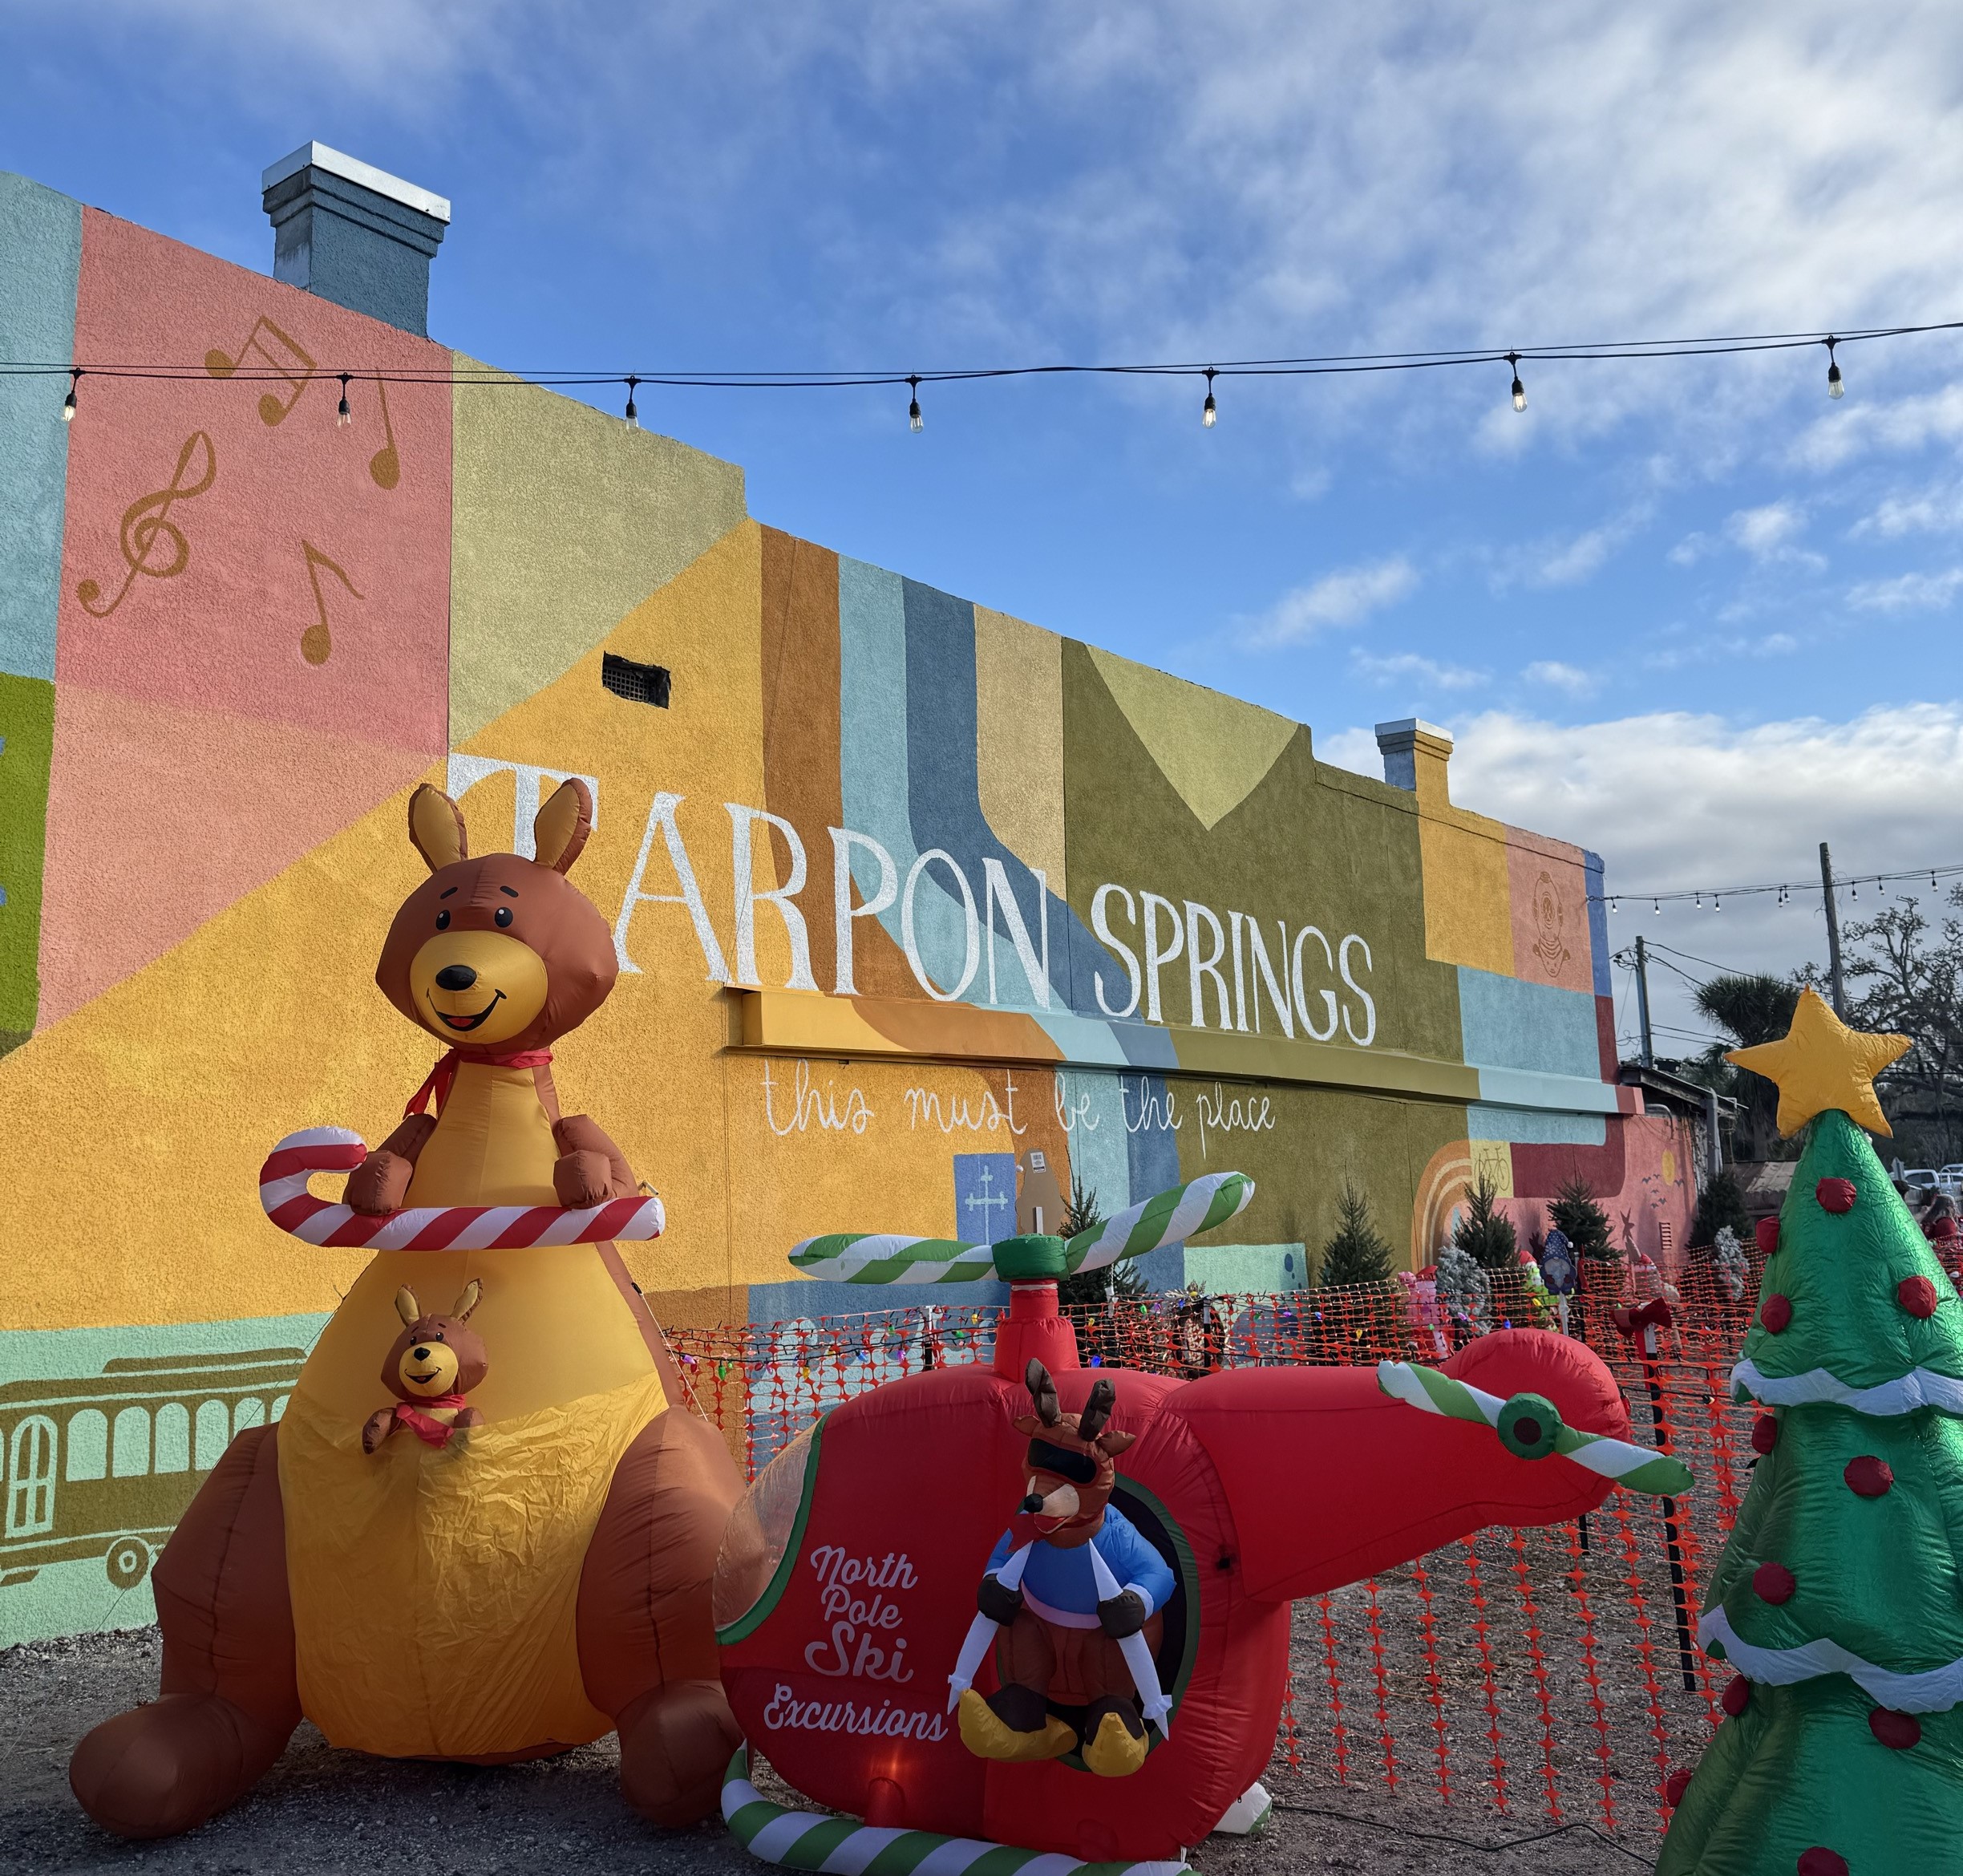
321,1810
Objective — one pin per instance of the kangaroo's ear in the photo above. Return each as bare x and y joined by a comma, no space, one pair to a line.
1110,1442
560,827
437,828
1043,1392
1027,1426
407,1307
473,1294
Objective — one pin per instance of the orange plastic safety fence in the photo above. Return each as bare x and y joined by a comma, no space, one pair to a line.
1584,1665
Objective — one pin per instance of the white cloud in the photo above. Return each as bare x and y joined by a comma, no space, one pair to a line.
1768,532
1711,647
1906,592
1674,800
1343,597
1426,671
1550,671
1567,561
1936,509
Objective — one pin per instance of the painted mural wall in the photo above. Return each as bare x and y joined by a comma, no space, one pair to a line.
902,888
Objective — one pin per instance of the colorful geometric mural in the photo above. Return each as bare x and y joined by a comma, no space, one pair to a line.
902,888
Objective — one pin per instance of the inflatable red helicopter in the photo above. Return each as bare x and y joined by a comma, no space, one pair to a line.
865,1576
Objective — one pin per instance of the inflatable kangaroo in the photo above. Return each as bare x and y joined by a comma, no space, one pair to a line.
500,1597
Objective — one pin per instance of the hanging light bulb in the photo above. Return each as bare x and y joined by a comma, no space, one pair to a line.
1613,906
343,416
1699,897
1520,389
1209,412
1835,387
915,421
1931,879
68,402
1857,888
1655,905
632,414
1717,903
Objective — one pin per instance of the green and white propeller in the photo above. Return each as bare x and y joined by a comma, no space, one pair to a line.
1166,1218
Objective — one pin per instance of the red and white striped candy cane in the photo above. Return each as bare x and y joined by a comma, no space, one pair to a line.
283,1193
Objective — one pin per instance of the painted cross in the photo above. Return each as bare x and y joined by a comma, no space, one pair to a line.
984,1194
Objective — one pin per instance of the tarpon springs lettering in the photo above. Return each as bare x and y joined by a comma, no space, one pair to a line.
1235,977
858,1604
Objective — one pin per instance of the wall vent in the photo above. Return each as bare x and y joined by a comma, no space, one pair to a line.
638,683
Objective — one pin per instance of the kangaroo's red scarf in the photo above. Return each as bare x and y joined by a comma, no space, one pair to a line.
431,1431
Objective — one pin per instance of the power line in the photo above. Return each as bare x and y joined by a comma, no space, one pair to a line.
1328,364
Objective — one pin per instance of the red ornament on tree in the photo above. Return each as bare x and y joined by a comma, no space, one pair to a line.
1897,1731
1774,1582
1835,1195
1736,1696
1767,1232
1868,1476
1822,1862
1765,1434
1678,1783
1917,1296
1775,1312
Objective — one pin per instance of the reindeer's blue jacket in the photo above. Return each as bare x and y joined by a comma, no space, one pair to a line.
1060,1585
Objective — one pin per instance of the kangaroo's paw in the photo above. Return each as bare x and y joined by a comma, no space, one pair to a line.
675,1741
168,1766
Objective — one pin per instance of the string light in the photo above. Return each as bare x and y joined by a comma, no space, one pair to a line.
1315,364
632,414
1209,412
1782,891
343,416
915,421
68,402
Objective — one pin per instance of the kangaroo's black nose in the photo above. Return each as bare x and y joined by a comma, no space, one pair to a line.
456,977
1033,1503
420,1354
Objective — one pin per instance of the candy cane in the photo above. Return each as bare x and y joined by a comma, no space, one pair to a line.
1636,1468
805,1840
283,1193
1166,1217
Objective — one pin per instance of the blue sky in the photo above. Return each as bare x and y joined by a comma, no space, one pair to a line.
1692,614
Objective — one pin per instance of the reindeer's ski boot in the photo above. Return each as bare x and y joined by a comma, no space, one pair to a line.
1014,1724
1114,1738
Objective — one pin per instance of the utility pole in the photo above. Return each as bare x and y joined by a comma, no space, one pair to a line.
1833,932
1642,1001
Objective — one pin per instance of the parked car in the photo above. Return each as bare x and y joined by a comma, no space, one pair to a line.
1921,1179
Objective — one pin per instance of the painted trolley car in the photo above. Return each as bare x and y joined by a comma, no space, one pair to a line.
105,1466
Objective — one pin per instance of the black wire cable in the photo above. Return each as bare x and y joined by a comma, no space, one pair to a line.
1308,365
1931,873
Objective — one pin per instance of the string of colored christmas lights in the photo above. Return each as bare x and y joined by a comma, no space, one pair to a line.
1332,364
1697,895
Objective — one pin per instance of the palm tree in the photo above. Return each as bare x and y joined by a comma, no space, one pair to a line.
1752,1009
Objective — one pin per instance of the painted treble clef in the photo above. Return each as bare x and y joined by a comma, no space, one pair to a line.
151,542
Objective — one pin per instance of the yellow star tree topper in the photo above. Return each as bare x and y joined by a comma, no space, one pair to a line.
1819,1062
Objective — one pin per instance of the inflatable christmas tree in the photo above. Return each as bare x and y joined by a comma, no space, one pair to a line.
1839,1601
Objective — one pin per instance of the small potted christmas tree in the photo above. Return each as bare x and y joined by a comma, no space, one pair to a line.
1839,1600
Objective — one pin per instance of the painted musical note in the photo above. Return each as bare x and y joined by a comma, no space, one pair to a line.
385,465
151,542
284,356
317,641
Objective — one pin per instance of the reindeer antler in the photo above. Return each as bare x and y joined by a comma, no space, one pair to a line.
1097,1409
1042,1391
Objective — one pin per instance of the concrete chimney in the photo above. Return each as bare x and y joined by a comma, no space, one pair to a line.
354,234
1415,756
